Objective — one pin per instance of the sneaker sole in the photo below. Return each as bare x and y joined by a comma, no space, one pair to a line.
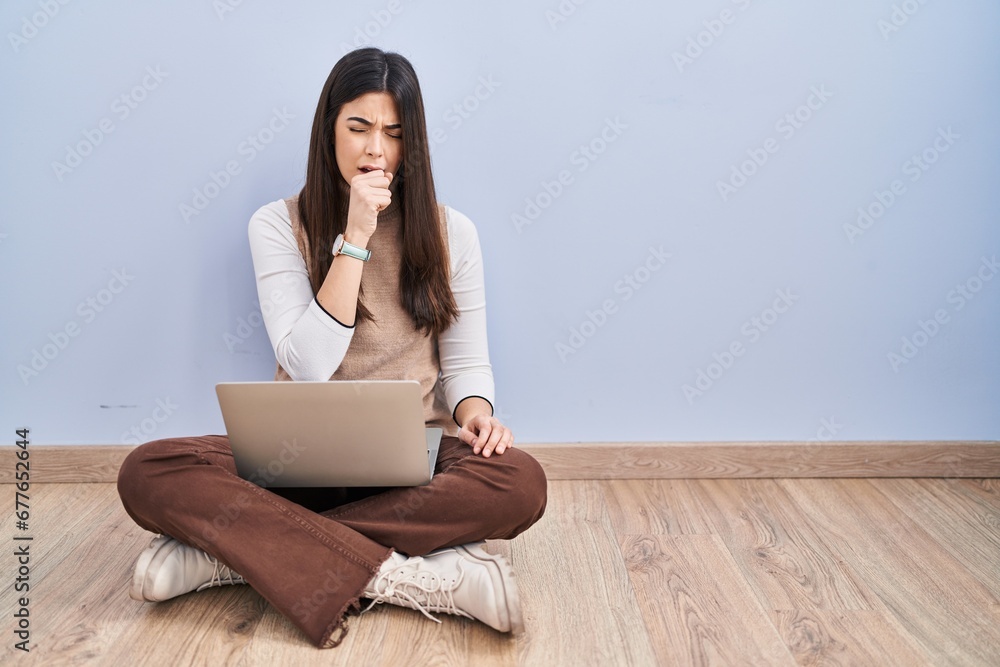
512,599
145,559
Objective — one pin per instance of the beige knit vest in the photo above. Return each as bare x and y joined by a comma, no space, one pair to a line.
389,348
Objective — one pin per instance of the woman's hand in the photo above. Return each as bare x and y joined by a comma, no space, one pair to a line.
370,194
486,434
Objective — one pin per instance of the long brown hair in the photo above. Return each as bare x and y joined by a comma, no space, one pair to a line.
424,287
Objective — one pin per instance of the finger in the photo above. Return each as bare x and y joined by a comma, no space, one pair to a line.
374,179
505,443
482,437
367,177
467,436
495,437
381,203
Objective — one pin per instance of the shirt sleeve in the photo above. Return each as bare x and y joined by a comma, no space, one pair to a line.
462,348
308,342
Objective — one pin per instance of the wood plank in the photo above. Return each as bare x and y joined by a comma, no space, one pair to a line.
404,636
71,598
68,464
932,595
786,561
696,604
714,460
692,596
988,488
637,460
984,492
969,531
579,606
653,507
857,637
86,610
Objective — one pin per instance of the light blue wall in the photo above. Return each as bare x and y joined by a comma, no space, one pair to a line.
578,354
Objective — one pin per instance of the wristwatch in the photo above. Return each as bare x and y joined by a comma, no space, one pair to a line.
342,247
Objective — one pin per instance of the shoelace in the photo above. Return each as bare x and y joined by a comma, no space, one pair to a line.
435,596
222,576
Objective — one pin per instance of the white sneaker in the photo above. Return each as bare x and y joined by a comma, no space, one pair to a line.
463,580
169,568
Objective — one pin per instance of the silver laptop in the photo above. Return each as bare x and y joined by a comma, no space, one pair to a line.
329,433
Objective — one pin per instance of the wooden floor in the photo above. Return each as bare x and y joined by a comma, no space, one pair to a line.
618,572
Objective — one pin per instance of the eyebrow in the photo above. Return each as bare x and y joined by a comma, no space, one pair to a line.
368,122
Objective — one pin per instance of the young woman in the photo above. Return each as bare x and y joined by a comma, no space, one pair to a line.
364,276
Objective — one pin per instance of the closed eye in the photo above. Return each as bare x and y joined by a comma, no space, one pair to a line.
394,136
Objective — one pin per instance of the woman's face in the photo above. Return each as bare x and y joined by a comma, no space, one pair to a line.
368,133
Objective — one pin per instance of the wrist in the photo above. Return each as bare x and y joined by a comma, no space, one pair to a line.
469,407
356,238
342,246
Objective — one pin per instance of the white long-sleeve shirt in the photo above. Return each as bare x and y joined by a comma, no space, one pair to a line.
310,344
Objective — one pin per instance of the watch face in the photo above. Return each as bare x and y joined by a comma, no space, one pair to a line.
338,243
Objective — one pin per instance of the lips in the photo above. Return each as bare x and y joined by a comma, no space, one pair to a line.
369,167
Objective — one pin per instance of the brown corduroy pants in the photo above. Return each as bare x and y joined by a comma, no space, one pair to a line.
311,552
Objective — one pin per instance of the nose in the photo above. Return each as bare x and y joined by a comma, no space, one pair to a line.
374,147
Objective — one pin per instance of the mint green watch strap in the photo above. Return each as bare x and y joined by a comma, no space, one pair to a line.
342,247
355,251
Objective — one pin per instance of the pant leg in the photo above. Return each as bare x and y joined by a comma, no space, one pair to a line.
313,567
309,568
469,498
